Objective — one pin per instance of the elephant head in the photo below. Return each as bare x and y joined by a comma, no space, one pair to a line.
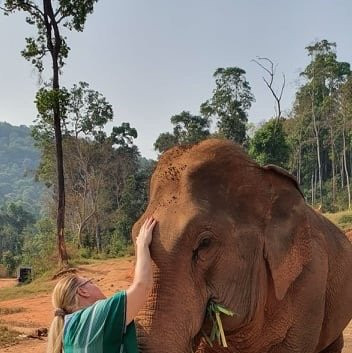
229,231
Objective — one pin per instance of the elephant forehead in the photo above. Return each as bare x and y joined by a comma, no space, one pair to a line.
244,195
221,185
208,162
180,223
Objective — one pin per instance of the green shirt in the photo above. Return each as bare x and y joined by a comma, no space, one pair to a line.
100,328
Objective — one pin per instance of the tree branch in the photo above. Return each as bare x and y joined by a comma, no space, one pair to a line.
35,8
57,11
60,19
271,71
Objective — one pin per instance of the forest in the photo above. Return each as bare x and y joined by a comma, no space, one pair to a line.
67,183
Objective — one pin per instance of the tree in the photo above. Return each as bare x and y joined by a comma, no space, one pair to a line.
96,165
231,100
316,108
49,21
87,111
346,124
188,129
269,144
84,112
271,70
134,198
165,141
91,163
18,161
14,219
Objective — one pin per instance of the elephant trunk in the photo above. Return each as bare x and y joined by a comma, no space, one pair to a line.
169,321
163,333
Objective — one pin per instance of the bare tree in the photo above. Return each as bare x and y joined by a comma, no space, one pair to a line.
267,65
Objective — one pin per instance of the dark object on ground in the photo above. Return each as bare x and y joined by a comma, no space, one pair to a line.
24,275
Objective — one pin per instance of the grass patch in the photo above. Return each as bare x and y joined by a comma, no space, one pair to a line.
9,311
39,285
8,337
341,219
44,284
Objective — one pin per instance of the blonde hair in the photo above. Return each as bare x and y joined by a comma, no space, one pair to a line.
64,299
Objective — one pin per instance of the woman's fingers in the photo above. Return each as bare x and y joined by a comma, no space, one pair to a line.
148,225
152,225
149,222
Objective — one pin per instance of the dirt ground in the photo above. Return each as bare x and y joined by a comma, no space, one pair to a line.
112,275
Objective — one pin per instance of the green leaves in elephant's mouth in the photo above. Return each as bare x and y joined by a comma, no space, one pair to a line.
217,332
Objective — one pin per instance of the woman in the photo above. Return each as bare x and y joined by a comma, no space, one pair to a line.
87,322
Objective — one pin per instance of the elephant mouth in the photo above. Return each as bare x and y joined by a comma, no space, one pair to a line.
212,329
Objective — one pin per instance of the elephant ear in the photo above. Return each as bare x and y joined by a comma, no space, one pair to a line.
287,236
284,172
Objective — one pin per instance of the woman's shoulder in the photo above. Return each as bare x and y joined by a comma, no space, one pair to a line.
98,309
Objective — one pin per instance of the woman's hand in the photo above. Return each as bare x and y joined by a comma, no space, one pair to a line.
144,237
143,279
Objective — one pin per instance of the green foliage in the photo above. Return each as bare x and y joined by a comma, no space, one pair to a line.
46,100
317,132
345,219
119,246
18,161
106,193
269,145
48,16
39,248
134,200
342,219
87,111
123,135
188,129
14,222
72,15
231,100
84,112
10,262
165,141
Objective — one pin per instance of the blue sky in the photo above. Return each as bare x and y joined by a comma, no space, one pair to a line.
152,59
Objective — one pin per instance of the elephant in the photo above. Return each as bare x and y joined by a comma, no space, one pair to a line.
240,235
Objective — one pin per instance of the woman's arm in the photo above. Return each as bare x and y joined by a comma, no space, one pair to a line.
143,278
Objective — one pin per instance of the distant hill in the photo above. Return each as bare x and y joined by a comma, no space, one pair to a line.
19,159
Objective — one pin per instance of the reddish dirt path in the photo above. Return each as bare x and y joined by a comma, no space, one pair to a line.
112,275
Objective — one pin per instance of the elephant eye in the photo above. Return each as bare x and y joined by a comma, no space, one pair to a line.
203,244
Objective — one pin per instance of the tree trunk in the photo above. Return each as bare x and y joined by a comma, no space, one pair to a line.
346,170
54,49
342,170
333,167
318,157
79,236
299,164
312,186
97,234
315,186
316,132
